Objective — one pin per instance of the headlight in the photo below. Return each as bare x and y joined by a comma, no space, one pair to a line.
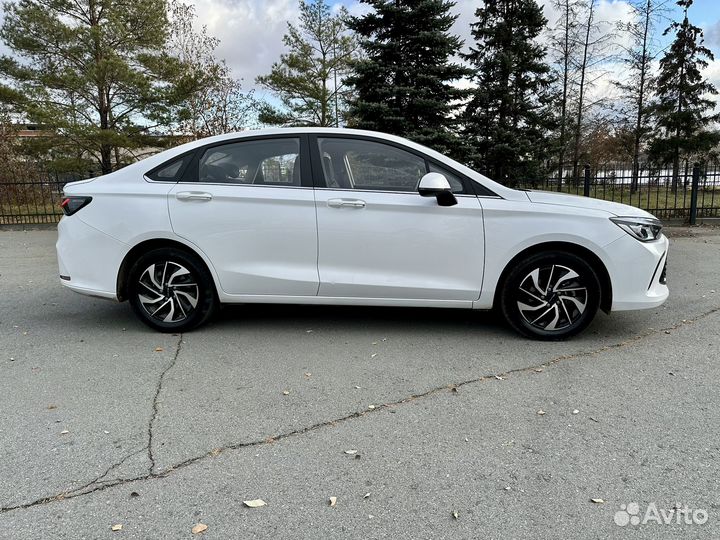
644,229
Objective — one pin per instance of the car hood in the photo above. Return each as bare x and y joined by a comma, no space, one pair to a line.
563,199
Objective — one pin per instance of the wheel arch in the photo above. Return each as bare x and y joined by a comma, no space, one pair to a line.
591,258
143,247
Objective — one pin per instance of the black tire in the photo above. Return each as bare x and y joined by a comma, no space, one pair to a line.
548,314
178,283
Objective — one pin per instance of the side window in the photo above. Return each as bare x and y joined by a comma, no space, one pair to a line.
454,180
270,162
171,170
359,164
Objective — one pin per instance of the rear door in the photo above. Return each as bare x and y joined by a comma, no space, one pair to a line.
378,238
248,205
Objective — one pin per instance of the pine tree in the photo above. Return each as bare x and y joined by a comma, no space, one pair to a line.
682,109
406,82
308,78
95,72
508,117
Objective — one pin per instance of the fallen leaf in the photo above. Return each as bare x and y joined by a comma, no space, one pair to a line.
215,452
351,452
455,514
541,412
117,527
308,375
51,407
158,349
332,501
597,501
199,528
255,503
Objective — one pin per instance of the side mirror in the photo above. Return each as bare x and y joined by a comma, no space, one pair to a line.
434,184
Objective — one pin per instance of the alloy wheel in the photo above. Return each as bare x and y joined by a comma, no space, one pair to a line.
168,292
552,298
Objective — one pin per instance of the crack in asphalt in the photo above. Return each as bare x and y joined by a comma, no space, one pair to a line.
100,485
153,416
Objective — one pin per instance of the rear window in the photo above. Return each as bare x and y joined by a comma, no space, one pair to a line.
172,170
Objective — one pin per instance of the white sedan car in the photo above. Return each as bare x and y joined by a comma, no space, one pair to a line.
346,217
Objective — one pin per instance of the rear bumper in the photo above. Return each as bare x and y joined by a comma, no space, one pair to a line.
88,259
637,273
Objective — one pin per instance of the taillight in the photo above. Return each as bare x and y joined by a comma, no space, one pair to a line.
70,205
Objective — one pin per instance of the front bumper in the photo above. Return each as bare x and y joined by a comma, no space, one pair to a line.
637,272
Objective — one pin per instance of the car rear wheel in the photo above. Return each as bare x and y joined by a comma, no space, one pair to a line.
171,290
551,295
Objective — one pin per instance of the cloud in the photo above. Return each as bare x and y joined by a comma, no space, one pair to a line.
712,36
250,32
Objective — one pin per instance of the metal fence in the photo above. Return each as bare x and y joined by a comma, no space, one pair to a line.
694,194
33,196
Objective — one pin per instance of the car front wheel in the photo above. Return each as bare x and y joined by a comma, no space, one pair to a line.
171,290
551,295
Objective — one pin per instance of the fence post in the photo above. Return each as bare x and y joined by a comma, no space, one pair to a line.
694,193
586,183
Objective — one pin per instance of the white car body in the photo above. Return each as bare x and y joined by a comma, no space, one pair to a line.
269,243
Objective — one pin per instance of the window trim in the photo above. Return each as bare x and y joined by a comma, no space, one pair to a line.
470,187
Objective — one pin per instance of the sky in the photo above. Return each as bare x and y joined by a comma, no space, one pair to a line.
250,31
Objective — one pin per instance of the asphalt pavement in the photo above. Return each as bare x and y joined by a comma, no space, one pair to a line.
420,423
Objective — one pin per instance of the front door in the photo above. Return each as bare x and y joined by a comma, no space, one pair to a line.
378,238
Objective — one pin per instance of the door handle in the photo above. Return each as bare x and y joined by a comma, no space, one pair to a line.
346,203
193,196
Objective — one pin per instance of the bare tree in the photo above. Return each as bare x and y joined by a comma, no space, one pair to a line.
595,45
638,86
217,103
562,44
